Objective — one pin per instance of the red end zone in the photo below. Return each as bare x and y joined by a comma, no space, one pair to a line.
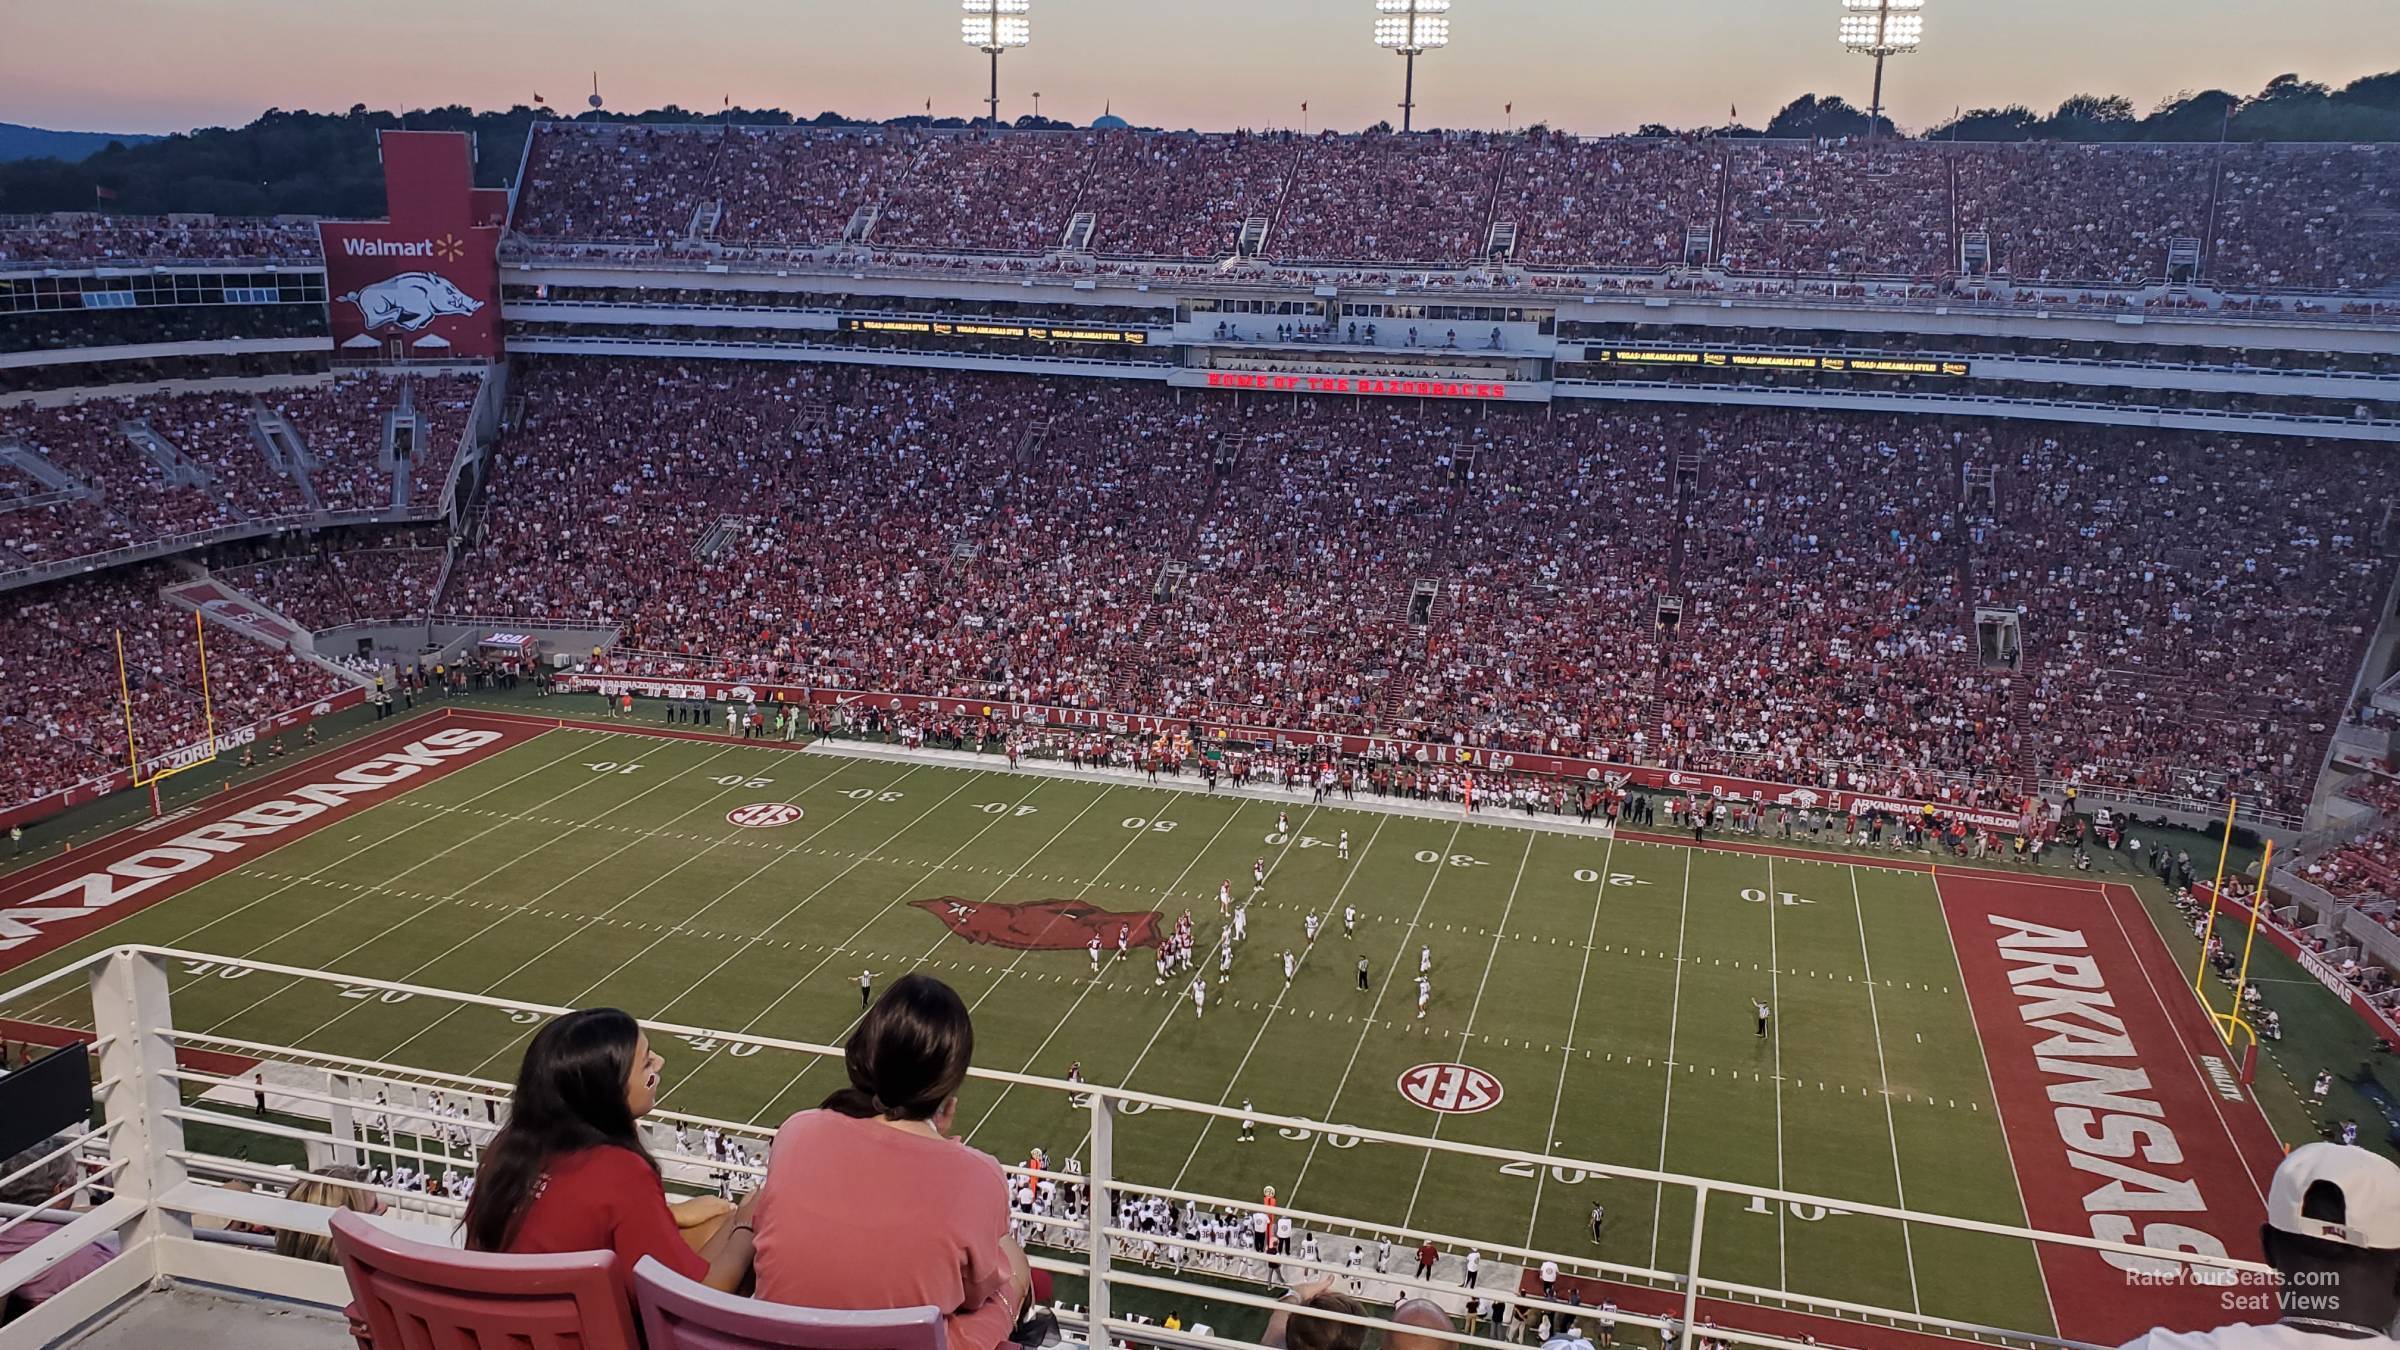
76,894
2124,1114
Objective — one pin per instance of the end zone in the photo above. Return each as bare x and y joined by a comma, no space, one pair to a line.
76,894
2115,1124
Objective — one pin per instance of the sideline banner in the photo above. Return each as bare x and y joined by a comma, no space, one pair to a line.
2291,944
1386,748
93,789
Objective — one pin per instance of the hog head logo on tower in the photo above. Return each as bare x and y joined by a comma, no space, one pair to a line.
410,302
424,283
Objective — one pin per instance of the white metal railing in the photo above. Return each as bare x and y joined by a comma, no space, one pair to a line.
159,1184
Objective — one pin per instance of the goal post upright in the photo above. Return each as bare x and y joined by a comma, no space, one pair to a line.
208,698
2258,902
2208,928
133,756
208,715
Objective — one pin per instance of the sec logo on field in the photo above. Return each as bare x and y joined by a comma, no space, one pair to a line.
1452,1089
764,815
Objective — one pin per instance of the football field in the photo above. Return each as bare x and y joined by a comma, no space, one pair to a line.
1604,984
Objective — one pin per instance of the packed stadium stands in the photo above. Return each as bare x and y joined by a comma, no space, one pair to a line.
59,701
168,465
1257,564
94,238
360,578
2285,217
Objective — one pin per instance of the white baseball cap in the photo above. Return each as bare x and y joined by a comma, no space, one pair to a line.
2367,1184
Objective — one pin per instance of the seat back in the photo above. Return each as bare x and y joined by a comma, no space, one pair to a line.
417,1296
678,1314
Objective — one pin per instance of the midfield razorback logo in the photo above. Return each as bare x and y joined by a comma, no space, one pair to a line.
1041,925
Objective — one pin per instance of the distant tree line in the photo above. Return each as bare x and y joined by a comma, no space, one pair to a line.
306,163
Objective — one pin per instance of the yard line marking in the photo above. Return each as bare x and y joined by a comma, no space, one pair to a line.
185,938
429,906
845,947
1550,1136
1272,1008
1674,1019
684,925
1439,863
2024,1213
1093,981
2175,1025
1002,885
1783,1249
507,912
1467,1037
1874,1017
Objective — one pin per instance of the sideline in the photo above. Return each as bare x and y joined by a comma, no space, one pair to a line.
80,893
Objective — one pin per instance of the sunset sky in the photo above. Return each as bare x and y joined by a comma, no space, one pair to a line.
1592,66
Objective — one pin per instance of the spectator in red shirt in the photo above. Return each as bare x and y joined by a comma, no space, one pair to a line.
569,1173
867,1203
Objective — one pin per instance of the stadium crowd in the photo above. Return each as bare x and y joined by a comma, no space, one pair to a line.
207,468
2192,609
94,238
60,721
346,584
2285,217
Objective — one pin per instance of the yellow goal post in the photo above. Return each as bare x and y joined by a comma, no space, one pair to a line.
149,775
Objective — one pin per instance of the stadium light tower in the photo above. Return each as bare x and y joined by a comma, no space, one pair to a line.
992,27
1411,28
1881,28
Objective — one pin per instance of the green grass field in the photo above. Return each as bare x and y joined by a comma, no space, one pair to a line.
1606,984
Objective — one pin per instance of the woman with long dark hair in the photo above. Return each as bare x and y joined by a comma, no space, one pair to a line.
867,1203
569,1172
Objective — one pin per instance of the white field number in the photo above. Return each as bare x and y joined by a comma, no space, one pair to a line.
1426,855
1759,897
871,795
611,766
1006,809
1759,1204
366,994
1145,823
1564,1176
709,1045
1588,876
1335,1138
733,780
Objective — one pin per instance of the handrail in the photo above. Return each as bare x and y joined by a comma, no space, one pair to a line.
133,1011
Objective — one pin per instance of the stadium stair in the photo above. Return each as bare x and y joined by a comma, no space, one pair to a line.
280,442
180,471
238,611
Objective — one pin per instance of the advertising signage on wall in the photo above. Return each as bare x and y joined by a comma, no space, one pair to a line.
427,277
1330,383
1021,332
1699,358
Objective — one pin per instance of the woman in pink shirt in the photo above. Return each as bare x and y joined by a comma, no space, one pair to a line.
868,1205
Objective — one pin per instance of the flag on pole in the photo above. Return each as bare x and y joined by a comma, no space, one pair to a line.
1734,112
104,194
1304,106
539,101
929,107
